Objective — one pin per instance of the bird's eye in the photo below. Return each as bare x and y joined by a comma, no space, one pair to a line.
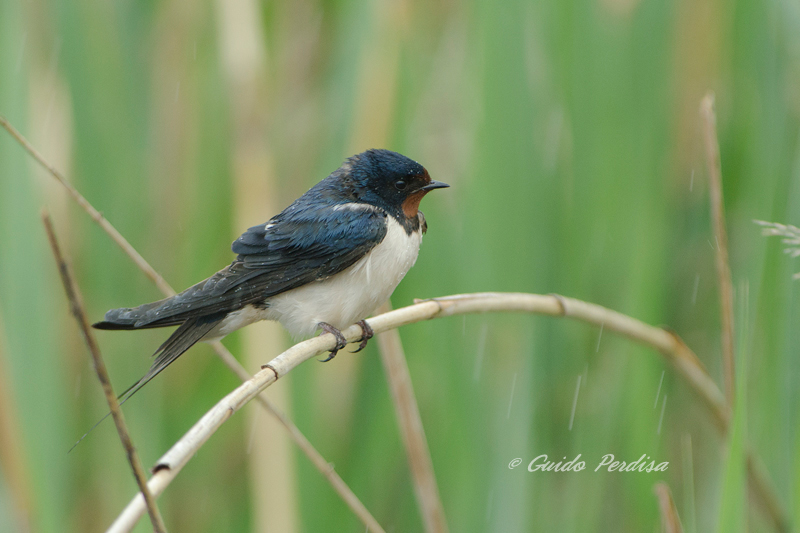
399,185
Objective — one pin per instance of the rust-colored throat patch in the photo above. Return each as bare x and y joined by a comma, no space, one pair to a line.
411,204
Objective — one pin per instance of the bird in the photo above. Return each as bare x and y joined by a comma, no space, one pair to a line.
325,262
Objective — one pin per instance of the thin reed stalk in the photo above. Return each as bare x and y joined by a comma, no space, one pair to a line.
77,308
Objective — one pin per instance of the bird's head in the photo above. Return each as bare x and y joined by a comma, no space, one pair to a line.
389,180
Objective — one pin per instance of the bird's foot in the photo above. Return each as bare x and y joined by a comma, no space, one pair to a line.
341,342
366,335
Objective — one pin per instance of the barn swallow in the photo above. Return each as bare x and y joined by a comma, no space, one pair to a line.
325,262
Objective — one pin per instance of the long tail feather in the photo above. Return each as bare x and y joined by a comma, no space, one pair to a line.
181,340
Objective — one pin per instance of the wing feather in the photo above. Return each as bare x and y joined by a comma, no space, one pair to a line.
298,246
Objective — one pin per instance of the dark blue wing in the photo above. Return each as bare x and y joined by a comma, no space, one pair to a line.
305,243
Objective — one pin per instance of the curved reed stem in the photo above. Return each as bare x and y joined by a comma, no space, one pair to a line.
667,343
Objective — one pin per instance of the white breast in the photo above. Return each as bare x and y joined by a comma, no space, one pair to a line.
354,293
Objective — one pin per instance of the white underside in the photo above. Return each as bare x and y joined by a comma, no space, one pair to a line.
341,300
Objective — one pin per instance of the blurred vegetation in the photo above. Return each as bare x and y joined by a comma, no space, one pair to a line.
570,135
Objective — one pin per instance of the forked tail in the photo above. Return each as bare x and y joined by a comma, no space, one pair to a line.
183,338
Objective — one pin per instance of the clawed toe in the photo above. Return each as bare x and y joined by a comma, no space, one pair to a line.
366,335
331,355
341,342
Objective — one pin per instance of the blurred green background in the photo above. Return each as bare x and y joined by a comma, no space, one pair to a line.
569,132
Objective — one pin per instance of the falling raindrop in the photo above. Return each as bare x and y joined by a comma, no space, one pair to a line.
253,431
21,52
511,398
482,335
575,402
655,404
599,336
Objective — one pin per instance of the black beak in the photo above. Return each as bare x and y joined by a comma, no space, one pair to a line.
434,185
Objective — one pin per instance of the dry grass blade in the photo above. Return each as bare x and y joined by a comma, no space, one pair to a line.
77,309
668,344
761,489
411,429
319,462
670,522
116,236
721,236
